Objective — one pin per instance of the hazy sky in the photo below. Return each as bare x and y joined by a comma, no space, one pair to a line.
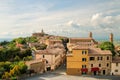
73,18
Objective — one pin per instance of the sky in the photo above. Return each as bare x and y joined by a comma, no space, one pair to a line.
71,18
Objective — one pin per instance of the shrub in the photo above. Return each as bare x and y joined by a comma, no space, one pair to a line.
17,58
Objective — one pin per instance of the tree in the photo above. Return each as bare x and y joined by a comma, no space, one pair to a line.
31,39
107,46
2,70
17,58
6,76
20,40
7,65
16,70
3,43
23,67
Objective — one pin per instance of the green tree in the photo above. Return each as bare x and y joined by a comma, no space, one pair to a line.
17,58
7,65
16,70
2,70
23,67
3,43
20,40
31,39
107,46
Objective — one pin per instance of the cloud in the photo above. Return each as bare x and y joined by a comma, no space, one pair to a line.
21,18
105,21
73,24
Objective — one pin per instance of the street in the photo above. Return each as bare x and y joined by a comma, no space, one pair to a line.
60,74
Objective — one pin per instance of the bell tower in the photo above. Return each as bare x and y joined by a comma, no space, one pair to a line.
42,31
90,34
111,37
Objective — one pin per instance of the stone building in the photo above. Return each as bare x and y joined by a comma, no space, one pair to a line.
115,66
84,42
99,61
92,61
54,57
111,37
39,34
53,41
37,65
85,58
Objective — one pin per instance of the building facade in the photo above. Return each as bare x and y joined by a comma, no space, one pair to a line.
76,61
99,61
115,66
83,42
38,66
53,57
89,61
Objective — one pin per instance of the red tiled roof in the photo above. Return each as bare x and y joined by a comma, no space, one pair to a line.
96,51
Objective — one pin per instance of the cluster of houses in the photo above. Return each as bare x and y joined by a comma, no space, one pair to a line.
52,57
83,56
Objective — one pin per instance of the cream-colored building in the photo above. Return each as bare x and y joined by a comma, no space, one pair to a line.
54,57
83,42
115,66
99,61
37,65
52,41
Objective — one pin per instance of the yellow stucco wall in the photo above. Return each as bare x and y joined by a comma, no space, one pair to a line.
74,62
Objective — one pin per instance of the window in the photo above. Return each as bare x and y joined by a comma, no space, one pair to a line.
84,52
116,70
83,59
43,56
99,58
99,65
107,57
83,66
92,58
107,64
116,64
46,61
91,65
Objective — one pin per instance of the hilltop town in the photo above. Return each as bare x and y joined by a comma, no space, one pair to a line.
42,53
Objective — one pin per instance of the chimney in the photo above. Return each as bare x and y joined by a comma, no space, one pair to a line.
90,34
111,37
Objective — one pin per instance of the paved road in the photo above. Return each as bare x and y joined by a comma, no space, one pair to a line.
59,74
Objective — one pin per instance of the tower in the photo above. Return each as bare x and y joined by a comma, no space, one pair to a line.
90,34
111,37
42,31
